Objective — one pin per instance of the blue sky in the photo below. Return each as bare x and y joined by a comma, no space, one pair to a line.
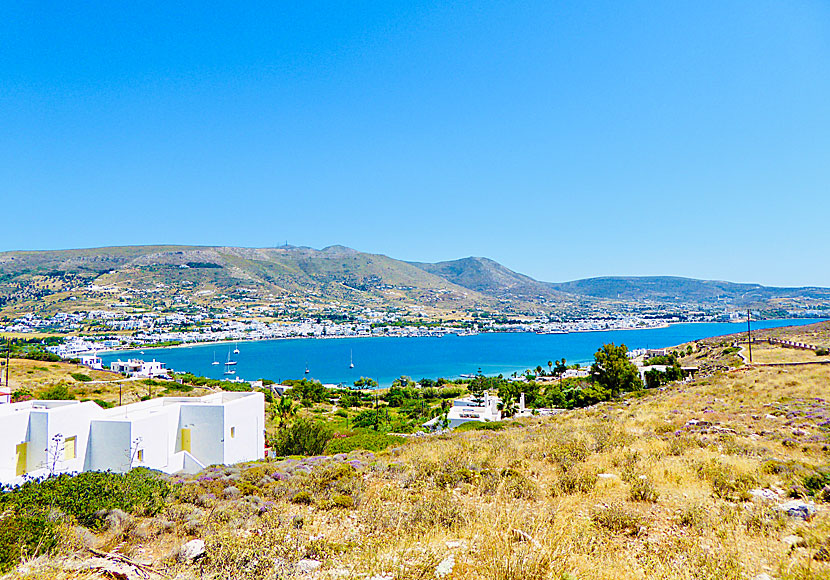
563,139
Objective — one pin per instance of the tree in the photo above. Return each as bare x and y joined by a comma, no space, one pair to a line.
614,371
284,410
550,367
367,383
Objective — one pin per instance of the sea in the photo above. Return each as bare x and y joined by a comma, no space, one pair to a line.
450,356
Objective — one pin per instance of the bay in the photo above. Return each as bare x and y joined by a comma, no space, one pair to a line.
386,358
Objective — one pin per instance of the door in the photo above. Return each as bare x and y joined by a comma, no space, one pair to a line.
186,440
20,459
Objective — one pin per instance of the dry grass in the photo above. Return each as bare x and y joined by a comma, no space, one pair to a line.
656,487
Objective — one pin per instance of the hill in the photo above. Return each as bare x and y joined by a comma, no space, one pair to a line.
676,289
343,282
723,477
491,278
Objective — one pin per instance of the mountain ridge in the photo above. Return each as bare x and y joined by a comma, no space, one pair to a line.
338,272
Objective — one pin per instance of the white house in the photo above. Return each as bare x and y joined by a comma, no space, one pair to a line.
170,434
135,367
92,361
471,409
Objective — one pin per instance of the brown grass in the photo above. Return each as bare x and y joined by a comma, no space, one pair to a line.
655,487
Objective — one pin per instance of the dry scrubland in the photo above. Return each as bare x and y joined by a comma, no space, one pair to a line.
39,377
655,487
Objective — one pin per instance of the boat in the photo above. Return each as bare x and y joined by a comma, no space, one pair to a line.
230,371
351,360
236,350
230,362
215,362
306,369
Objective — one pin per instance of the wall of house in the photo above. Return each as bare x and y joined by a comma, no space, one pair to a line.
151,435
206,424
245,417
14,429
110,449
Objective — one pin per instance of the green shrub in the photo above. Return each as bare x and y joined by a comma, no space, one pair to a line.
822,351
302,437
25,532
84,494
81,377
56,393
368,440
302,498
29,526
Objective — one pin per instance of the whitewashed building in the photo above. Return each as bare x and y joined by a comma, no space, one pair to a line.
135,367
170,434
470,409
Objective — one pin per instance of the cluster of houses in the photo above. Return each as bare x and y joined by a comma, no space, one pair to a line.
170,434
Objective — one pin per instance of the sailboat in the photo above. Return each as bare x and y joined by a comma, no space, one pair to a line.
306,368
230,362
215,362
351,360
236,350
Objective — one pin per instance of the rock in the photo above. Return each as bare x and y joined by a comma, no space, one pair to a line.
793,541
764,494
453,544
606,476
762,576
798,509
191,551
308,566
445,567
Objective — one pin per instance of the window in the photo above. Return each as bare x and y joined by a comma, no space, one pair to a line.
69,448
141,455
233,432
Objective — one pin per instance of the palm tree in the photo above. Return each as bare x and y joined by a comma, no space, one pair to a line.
285,409
550,367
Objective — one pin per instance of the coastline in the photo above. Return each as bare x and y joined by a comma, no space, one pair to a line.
337,336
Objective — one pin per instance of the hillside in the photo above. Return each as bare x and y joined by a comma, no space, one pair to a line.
342,282
491,278
722,478
95,277
674,289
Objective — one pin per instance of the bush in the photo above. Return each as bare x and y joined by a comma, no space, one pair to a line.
29,526
643,490
84,494
575,481
616,518
81,377
56,393
303,437
368,440
25,532
822,352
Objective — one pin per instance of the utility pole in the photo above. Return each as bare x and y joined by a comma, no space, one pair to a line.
8,355
749,335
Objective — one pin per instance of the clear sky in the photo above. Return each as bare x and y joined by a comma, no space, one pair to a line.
563,139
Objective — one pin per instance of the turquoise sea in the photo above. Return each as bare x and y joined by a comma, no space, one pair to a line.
386,358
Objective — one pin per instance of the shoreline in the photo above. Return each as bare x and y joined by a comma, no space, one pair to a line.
334,337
